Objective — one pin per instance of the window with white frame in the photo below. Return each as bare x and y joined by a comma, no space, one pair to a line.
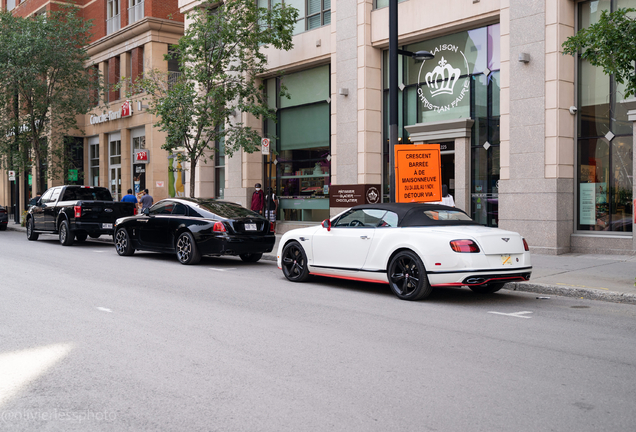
311,13
93,161
113,22
135,10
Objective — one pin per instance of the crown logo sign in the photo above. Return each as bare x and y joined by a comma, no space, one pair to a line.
443,78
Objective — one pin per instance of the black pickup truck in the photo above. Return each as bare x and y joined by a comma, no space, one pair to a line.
75,212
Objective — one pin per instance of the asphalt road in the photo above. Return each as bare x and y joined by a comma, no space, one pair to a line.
93,341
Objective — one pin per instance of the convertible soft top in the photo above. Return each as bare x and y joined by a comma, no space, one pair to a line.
419,214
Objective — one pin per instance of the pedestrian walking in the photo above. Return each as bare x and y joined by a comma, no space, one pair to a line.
129,197
146,200
271,204
258,199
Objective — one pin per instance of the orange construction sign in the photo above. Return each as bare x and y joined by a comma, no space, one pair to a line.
418,173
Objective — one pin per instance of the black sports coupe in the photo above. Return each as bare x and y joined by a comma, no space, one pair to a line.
193,227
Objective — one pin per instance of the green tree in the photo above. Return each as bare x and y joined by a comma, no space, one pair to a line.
611,44
219,59
44,86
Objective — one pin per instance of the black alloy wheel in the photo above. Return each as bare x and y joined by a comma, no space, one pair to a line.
123,245
187,251
81,237
31,235
295,262
251,257
407,277
487,289
66,237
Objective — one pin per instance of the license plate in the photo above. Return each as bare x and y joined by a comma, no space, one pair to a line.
107,226
250,227
506,260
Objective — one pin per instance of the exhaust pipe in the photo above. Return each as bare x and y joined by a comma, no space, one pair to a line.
475,280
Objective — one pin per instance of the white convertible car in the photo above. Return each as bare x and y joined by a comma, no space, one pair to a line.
412,247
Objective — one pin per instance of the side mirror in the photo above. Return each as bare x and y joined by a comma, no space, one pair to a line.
146,211
327,224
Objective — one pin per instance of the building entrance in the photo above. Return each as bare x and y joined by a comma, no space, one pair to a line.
448,166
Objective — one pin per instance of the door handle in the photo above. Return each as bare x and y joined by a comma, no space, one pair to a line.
364,237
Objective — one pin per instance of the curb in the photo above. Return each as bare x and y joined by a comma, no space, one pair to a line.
572,291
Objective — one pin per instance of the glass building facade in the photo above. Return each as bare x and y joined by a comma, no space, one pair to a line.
605,148
300,169
462,81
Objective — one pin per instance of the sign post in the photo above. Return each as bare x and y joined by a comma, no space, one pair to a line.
265,146
418,173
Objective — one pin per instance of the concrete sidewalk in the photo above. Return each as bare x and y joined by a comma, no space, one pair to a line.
597,277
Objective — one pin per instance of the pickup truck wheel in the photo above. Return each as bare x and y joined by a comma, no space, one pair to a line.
66,238
29,229
123,245
81,237
187,251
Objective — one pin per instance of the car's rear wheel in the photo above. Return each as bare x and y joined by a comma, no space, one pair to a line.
488,289
81,237
251,257
123,245
66,237
294,262
187,251
31,235
407,277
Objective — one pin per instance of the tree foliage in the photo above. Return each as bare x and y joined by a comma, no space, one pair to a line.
44,85
220,57
611,44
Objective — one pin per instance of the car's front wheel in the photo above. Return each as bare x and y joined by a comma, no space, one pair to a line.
31,234
187,251
251,257
66,237
123,245
407,277
487,289
294,262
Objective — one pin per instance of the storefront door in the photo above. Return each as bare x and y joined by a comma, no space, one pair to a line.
114,165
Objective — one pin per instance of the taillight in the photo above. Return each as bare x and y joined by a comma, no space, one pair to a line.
464,246
78,211
525,245
271,228
135,211
219,227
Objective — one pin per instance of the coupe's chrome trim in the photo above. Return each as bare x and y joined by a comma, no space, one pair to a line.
492,270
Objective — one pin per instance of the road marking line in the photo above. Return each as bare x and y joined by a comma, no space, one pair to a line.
219,269
515,314
103,309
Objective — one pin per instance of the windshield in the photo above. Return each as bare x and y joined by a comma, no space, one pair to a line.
87,194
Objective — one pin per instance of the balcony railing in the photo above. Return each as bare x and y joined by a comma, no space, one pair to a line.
136,12
113,24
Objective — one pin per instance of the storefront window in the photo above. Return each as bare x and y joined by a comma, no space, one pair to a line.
605,141
93,155
302,164
139,169
462,81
